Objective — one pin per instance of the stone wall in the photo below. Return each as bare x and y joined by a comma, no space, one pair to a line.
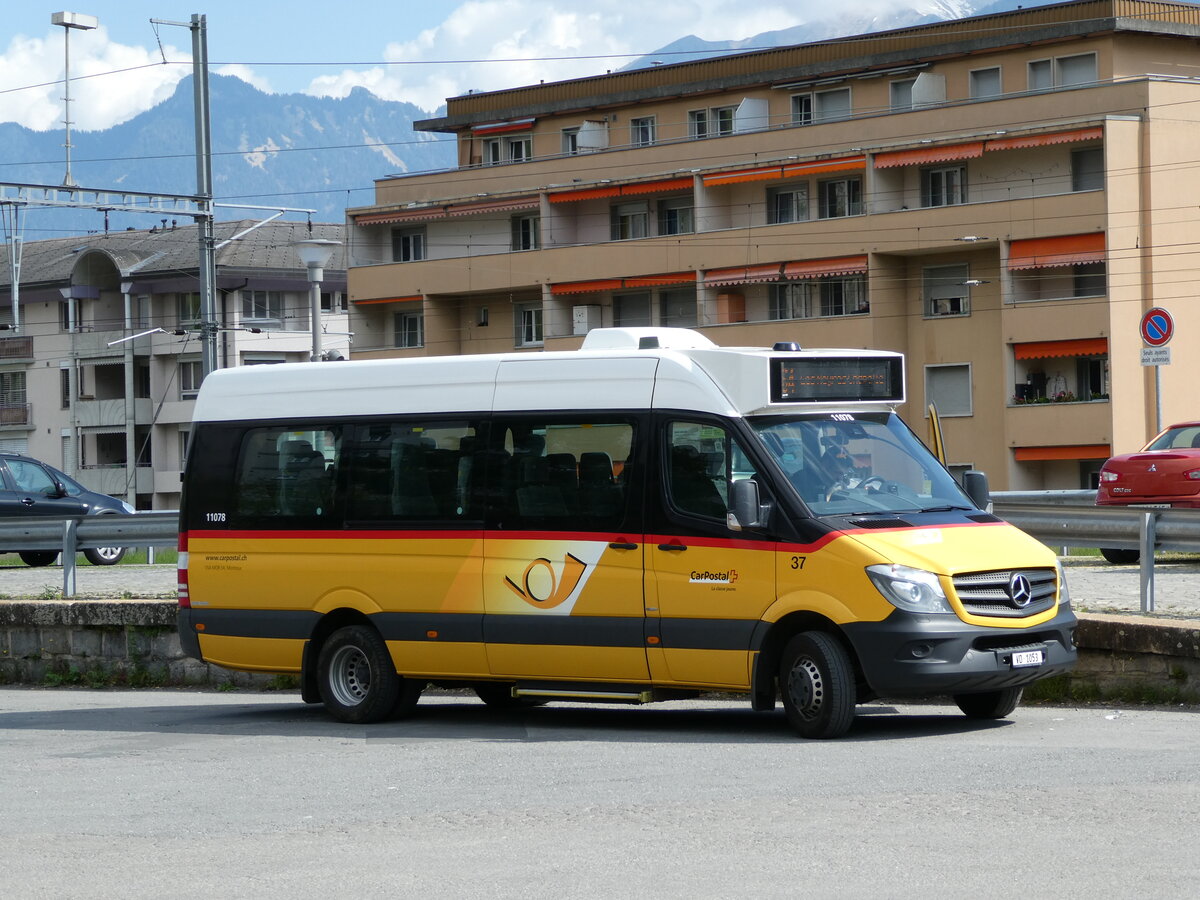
133,642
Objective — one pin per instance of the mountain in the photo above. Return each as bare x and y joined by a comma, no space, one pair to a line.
287,149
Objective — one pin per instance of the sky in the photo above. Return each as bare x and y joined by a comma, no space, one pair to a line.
421,52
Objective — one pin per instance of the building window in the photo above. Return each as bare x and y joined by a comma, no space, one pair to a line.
64,387
901,94
68,310
189,309
493,152
986,83
410,329
525,232
570,141
832,105
641,131
408,244
949,389
528,320
1087,169
630,220
185,437
1090,279
333,302
722,117
675,216
520,149
191,374
946,291
677,309
503,150
944,186
631,310
842,197
12,397
1064,71
802,109
834,295
262,306
698,123
788,204
141,381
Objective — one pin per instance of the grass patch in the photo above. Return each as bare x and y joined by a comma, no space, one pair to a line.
1072,689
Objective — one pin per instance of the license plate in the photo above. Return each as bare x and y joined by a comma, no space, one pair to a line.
1028,658
1151,505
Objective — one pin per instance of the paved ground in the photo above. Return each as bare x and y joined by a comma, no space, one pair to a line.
1095,586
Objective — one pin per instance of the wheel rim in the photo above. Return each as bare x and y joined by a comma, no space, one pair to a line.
806,688
109,553
349,676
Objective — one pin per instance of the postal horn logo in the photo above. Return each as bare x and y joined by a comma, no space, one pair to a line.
542,587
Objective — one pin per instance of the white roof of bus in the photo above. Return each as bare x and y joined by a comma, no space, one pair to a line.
685,371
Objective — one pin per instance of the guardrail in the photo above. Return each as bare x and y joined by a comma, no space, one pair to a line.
1057,518
158,528
1071,519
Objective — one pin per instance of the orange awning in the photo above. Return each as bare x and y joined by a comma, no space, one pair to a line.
1063,451
471,209
646,281
818,268
821,166
503,127
616,284
587,287
402,215
1066,250
622,190
923,155
409,299
786,170
1055,349
741,275
1046,140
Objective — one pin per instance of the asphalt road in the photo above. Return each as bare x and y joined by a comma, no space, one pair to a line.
182,794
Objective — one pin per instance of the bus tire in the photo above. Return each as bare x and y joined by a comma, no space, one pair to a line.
38,557
1120,557
498,695
816,680
357,678
989,704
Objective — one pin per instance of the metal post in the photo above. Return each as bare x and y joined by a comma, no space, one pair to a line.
68,557
208,304
1146,569
314,302
1157,399
130,362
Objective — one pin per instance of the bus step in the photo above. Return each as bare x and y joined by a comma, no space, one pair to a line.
582,694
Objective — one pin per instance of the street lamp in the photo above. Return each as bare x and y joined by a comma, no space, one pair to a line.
69,20
315,253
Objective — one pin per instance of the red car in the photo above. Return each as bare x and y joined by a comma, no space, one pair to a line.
1164,473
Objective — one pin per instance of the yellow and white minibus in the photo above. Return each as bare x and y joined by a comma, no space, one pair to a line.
646,518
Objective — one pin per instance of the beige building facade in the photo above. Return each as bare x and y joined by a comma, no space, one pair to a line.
1000,198
101,372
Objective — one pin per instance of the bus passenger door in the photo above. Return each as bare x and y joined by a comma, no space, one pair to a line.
563,555
707,586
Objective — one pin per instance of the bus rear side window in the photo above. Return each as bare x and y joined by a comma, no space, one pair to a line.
287,473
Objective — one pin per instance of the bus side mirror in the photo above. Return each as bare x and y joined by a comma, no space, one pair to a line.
976,486
747,511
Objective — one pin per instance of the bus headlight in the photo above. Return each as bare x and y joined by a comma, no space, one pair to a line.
1064,596
913,590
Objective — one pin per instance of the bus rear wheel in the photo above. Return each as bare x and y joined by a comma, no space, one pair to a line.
1120,557
989,704
817,683
358,680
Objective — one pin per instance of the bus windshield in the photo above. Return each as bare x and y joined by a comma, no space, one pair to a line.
858,463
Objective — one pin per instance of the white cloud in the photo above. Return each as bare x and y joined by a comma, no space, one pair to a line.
110,82
248,75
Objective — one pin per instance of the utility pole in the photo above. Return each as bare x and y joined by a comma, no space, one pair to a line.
69,20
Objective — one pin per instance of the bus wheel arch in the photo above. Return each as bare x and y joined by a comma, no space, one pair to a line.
766,689
817,682
349,668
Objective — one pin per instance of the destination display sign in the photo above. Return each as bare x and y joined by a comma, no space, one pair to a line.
842,379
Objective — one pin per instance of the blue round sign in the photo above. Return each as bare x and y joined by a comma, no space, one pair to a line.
1157,327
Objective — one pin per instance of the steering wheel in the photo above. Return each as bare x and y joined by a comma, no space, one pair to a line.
873,482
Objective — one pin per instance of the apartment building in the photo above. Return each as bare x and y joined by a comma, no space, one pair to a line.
1000,198
100,376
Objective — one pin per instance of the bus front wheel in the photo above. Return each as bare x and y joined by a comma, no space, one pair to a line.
989,704
817,683
358,679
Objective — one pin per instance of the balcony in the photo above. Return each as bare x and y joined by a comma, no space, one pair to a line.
1059,424
16,349
16,416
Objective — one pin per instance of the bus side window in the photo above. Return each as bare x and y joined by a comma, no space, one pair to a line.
702,462
286,472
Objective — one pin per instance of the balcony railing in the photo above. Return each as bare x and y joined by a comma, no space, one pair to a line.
16,347
16,413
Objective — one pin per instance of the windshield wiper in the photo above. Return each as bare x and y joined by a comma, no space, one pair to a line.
946,508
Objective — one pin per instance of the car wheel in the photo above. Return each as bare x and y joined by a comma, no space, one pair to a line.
358,680
989,704
104,556
1120,557
38,557
817,683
